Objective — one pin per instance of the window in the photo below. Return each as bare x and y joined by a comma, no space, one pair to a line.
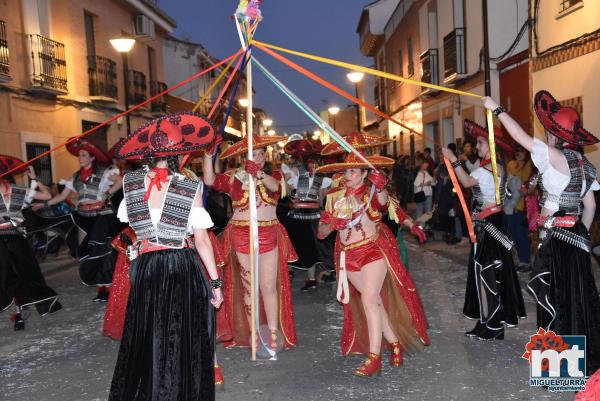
566,4
98,137
42,166
90,40
151,64
410,66
400,63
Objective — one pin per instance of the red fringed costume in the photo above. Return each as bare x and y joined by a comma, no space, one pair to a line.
114,317
399,294
236,238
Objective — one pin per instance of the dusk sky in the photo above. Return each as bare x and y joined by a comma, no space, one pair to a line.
322,27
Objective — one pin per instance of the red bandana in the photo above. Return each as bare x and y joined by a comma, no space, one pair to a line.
85,173
160,175
485,162
358,191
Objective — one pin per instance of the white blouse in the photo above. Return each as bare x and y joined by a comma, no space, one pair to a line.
485,178
199,217
103,187
420,179
553,180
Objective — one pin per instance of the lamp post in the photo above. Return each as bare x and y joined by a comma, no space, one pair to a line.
355,78
333,110
123,45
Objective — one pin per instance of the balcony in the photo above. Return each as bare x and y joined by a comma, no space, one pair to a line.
48,65
158,106
4,55
430,62
102,74
136,90
455,62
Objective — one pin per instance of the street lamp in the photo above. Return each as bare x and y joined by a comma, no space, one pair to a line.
355,78
244,102
333,110
267,122
123,45
316,134
271,132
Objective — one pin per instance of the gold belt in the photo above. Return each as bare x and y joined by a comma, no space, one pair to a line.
355,245
246,223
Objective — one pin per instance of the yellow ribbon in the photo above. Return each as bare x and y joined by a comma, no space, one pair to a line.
492,144
213,86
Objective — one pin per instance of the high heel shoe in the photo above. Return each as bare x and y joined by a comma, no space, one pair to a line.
479,328
489,334
19,322
396,354
219,379
371,367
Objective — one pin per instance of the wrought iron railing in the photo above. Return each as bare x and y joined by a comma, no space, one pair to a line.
4,53
136,90
48,63
455,61
430,67
102,74
159,105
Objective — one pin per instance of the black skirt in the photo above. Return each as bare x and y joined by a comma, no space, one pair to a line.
567,298
21,279
303,233
96,255
167,350
491,269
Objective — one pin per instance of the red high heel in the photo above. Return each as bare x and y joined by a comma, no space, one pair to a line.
219,379
371,367
396,354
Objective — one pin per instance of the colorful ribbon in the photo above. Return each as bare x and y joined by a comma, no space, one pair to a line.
461,198
492,144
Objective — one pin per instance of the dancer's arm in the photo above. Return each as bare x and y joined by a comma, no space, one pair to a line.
465,179
208,170
512,127
589,209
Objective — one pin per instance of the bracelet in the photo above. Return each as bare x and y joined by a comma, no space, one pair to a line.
456,164
217,283
498,110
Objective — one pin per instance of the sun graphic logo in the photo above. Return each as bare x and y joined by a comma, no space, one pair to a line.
556,362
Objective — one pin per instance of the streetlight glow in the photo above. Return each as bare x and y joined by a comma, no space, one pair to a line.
244,102
267,122
355,77
122,44
333,110
271,132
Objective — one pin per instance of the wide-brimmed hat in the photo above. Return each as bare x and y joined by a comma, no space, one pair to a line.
258,142
112,151
7,163
474,130
358,140
74,146
300,148
169,135
353,161
563,122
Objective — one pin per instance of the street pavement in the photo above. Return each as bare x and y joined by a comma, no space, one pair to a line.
64,357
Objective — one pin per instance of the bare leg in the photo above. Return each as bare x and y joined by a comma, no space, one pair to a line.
269,267
244,262
369,282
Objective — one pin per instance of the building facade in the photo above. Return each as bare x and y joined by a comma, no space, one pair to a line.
60,76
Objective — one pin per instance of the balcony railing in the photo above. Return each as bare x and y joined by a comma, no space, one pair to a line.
4,53
136,90
48,64
102,74
430,67
159,105
455,62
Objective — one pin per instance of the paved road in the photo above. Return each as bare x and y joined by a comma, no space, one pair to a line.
64,357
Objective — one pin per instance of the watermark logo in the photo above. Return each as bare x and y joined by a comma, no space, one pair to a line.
556,362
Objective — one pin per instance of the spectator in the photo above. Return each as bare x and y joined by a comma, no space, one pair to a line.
400,177
422,187
430,162
469,157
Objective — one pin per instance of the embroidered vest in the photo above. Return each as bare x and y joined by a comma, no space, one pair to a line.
13,211
570,200
171,230
478,195
88,191
306,193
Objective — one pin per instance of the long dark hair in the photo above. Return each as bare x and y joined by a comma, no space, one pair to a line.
172,165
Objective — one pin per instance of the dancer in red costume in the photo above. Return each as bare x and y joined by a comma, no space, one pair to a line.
275,250
379,296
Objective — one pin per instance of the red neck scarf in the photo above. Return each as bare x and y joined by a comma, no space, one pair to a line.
160,175
485,162
358,191
85,173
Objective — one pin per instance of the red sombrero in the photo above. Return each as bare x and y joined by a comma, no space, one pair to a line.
299,148
258,142
85,144
358,140
563,122
317,146
474,130
112,151
169,135
7,163
352,161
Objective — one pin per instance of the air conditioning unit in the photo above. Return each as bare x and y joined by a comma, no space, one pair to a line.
143,26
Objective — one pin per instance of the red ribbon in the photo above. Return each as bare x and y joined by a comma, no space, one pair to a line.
461,198
160,175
